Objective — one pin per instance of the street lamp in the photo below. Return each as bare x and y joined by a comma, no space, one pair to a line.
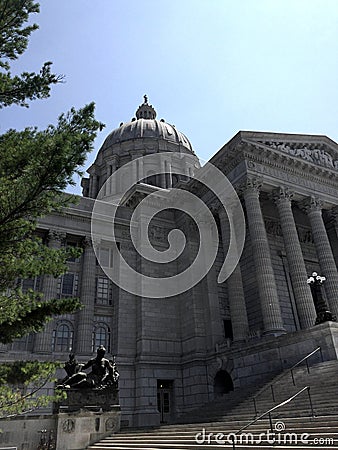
323,313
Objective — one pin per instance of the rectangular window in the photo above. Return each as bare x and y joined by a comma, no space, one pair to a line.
105,257
228,329
73,244
31,283
68,285
103,291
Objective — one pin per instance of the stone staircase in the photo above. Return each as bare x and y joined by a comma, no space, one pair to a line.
293,424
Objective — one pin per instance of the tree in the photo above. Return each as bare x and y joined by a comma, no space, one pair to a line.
35,168
13,42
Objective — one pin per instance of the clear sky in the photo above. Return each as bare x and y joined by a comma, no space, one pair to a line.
210,67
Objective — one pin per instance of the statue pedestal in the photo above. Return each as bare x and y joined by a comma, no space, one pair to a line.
91,399
86,416
76,430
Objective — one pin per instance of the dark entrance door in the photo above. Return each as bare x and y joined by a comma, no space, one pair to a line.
165,400
222,383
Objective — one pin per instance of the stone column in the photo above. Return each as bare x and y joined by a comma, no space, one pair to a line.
305,306
214,331
43,340
111,183
86,315
272,317
110,170
92,183
313,208
169,175
238,313
162,175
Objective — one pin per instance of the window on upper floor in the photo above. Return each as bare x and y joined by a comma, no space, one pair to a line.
101,336
31,283
62,337
228,334
68,285
73,244
103,291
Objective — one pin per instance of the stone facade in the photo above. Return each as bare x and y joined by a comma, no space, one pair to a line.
261,319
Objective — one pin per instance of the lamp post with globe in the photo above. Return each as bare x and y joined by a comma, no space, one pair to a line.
323,313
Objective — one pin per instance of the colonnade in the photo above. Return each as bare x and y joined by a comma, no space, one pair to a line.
264,274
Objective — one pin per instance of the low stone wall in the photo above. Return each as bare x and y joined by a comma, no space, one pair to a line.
77,430
72,431
23,433
254,362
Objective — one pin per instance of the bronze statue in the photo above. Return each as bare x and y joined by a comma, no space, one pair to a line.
103,373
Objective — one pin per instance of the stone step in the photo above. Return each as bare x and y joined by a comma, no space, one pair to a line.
325,444
234,410
217,447
323,391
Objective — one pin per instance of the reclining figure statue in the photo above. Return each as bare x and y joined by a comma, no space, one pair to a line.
103,373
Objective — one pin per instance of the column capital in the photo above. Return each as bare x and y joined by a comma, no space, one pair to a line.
113,159
89,242
282,194
251,184
311,204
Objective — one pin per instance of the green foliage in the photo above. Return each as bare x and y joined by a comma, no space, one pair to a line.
21,383
13,42
35,168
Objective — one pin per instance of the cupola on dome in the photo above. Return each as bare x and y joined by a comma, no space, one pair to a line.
146,126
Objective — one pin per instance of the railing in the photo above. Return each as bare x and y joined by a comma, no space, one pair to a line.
283,374
269,411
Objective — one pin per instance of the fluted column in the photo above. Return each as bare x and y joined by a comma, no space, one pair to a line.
272,317
43,340
86,315
313,208
237,306
305,306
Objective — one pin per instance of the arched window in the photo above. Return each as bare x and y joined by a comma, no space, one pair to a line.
63,337
101,336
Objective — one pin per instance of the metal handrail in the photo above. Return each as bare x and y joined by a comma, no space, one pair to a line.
284,373
269,411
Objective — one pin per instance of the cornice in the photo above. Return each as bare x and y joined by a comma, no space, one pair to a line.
287,157
285,163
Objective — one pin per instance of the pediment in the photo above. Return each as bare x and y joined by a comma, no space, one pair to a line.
322,152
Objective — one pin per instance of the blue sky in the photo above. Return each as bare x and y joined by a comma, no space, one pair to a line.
212,67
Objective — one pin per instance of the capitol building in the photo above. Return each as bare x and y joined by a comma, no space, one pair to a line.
178,352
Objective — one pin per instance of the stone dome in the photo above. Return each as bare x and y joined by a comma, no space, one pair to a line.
145,125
